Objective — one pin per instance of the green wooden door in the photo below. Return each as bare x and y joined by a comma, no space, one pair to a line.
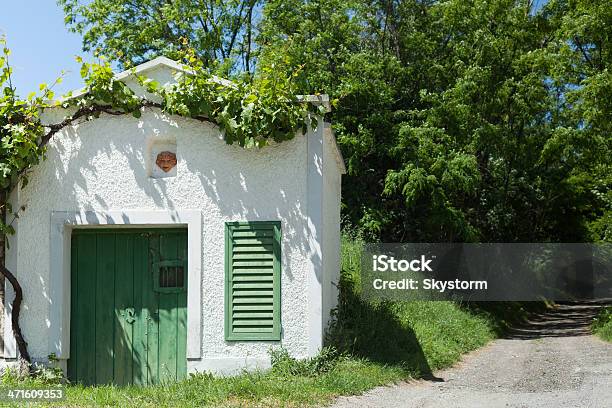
128,306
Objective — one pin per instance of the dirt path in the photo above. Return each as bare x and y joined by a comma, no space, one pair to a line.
551,362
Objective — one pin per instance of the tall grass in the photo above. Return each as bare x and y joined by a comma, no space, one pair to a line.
419,336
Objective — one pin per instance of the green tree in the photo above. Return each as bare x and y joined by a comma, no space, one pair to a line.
582,73
461,120
134,31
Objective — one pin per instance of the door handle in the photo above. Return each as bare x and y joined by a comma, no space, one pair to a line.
128,315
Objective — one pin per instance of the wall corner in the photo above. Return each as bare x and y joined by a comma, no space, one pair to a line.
315,237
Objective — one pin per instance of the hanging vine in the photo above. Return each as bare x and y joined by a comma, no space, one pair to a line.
250,112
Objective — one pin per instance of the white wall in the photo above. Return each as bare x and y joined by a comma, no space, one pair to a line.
332,173
101,166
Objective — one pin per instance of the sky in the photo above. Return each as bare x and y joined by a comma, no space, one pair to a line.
41,46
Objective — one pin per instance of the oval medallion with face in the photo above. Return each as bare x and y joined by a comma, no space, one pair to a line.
166,161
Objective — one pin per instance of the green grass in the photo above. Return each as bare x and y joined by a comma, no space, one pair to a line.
420,336
602,325
258,389
372,343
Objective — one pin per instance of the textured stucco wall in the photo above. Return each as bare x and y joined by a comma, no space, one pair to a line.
101,166
331,226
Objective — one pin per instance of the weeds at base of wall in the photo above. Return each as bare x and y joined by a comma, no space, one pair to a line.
37,374
34,374
326,360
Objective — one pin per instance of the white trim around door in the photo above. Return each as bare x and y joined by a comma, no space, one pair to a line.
62,224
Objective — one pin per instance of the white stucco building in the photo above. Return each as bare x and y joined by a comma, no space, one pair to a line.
132,273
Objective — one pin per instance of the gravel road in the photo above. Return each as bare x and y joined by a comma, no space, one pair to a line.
551,362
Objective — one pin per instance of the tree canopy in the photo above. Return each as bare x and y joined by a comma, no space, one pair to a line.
462,120
133,31
459,120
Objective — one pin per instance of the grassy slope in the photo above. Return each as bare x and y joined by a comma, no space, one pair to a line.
602,326
419,336
381,343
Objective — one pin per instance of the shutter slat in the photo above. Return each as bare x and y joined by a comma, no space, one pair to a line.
253,278
244,230
241,270
253,241
255,263
253,323
256,315
251,307
248,293
241,256
253,285
252,234
252,300
253,248
253,329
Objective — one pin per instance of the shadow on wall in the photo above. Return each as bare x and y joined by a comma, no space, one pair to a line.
83,177
123,329
372,331
266,191
236,194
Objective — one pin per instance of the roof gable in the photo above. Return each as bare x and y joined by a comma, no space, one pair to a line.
164,70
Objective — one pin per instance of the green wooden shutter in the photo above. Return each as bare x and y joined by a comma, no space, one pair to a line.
252,280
